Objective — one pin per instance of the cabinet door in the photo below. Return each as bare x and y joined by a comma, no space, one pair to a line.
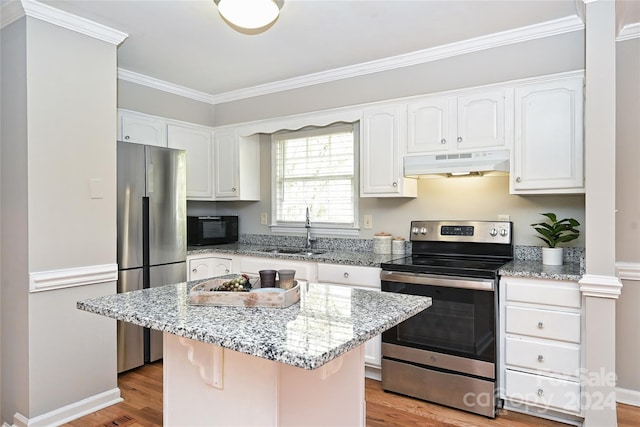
548,146
197,143
480,120
142,129
383,131
203,268
226,164
428,125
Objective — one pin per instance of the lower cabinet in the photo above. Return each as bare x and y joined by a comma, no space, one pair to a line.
203,267
363,278
540,348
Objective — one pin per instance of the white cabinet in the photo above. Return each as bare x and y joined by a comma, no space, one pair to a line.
364,278
457,123
541,335
141,128
383,136
205,266
197,141
548,150
237,165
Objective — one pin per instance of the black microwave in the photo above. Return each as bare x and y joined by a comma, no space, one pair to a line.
212,230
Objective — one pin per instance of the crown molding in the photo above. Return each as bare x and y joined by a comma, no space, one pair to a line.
518,35
629,31
164,86
18,8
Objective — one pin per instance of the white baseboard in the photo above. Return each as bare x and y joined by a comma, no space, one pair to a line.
373,373
70,412
629,397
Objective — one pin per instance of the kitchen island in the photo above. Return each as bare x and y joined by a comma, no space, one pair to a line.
295,366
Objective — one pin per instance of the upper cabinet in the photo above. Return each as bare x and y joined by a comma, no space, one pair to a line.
438,124
221,165
383,136
197,143
236,165
141,128
548,149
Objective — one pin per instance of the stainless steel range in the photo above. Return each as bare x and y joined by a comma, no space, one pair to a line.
447,354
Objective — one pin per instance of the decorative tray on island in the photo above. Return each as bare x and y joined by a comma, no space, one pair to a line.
214,293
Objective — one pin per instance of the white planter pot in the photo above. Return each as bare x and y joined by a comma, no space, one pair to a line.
552,256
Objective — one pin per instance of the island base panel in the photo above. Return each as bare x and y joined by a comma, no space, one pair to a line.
207,385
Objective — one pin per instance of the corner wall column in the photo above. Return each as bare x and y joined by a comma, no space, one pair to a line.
600,287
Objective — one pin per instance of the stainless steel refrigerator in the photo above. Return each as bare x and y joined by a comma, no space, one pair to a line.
152,236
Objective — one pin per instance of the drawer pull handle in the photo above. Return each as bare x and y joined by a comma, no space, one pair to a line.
346,275
540,325
540,358
540,392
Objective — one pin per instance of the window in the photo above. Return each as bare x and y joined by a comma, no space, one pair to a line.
315,168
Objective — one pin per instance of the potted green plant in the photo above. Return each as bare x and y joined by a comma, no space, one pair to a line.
554,232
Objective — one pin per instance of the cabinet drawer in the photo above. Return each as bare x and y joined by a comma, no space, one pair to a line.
549,357
543,391
556,293
368,277
549,324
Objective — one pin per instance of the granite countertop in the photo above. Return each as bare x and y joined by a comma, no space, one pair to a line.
535,269
332,256
326,323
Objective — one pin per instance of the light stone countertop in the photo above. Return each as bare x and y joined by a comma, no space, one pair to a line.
535,269
344,256
327,322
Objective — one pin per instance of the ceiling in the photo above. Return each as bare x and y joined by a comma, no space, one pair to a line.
186,42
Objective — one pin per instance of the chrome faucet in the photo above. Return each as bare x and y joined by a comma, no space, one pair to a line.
307,225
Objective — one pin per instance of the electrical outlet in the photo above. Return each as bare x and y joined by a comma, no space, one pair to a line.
368,221
504,217
264,218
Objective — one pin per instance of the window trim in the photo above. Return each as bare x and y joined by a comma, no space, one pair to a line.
294,227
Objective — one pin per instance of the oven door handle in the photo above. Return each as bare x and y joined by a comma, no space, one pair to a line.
435,280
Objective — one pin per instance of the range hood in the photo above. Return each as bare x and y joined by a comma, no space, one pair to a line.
457,164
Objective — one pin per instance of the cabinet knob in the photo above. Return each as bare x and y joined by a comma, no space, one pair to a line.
233,189
443,141
518,179
540,325
126,137
540,392
540,358
226,270
395,184
459,139
346,275
195,270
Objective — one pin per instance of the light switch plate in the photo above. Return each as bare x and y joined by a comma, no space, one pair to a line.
368,221
264,218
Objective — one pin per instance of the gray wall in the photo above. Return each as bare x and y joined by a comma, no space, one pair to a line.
58,133
533,58
140,98
628,210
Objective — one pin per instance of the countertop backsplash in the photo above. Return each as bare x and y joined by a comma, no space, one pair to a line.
324,243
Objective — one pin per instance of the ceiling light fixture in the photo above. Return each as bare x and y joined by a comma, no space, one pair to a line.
249,14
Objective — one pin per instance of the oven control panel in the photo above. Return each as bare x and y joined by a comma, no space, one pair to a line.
462,231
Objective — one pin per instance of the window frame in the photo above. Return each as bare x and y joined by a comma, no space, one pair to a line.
317,227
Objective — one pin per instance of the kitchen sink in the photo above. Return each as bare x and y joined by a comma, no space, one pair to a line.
292,251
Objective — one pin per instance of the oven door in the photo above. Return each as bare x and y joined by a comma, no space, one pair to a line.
460,322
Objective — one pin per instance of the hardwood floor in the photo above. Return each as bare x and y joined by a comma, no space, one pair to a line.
142,407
